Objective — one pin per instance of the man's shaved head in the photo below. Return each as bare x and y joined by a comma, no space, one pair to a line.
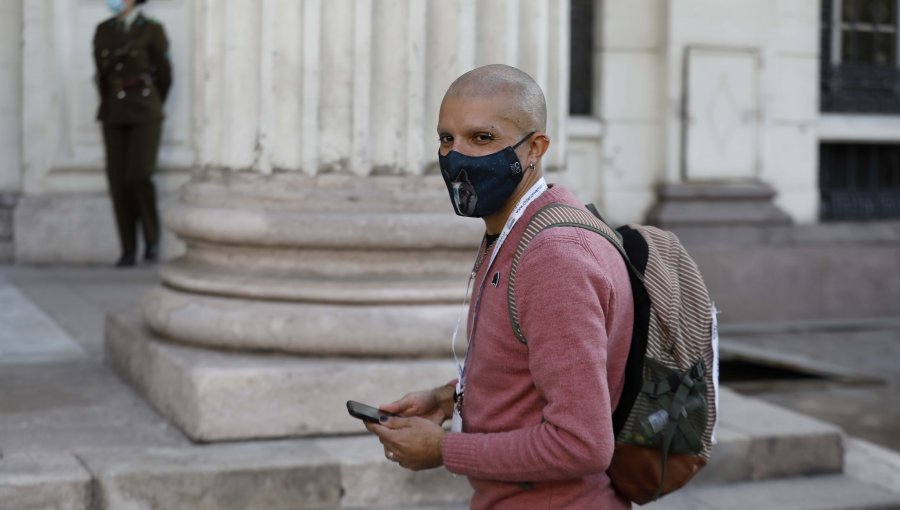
525,103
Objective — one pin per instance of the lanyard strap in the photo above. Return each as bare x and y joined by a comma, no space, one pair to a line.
533,193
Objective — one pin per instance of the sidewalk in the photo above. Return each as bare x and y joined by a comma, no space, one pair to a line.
58,394
61,406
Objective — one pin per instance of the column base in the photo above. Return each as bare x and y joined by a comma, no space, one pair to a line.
224,395
718,213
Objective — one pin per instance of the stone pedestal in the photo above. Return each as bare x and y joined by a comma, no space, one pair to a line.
709,213
296,294
219,395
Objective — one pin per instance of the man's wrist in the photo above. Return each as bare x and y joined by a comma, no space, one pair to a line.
444,396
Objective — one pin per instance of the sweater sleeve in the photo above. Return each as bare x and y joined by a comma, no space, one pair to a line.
563,294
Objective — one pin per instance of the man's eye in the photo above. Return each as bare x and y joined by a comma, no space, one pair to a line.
484,137
445,139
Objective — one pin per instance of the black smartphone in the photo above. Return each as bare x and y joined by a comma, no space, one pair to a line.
365,413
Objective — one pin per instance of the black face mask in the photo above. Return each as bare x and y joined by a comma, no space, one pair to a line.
481,185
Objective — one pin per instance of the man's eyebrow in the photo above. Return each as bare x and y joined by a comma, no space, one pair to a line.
490,128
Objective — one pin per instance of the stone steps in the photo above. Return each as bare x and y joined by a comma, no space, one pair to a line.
826,492
132,480
792,461
759,441
46,481
773,459
834,492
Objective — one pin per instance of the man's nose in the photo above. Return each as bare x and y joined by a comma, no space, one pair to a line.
458,146
447,147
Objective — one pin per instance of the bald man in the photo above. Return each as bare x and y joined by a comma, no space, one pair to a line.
532,421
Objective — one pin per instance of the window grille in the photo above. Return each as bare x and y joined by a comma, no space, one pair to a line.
860,56
859,181
581,68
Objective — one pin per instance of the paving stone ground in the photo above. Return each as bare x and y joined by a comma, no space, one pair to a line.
58,394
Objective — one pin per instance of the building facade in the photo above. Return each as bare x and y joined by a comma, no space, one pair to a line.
643,94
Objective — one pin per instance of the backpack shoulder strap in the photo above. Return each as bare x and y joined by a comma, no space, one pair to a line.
558,215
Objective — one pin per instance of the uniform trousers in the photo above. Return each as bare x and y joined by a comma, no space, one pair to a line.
130,163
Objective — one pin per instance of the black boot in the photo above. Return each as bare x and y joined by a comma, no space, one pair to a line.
126,260
151,253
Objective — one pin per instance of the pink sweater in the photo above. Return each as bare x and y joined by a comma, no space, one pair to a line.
537,418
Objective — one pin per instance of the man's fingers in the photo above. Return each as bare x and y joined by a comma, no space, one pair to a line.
394,423
405,404
393,407
387,432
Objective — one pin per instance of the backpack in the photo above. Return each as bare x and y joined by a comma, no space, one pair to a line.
665,419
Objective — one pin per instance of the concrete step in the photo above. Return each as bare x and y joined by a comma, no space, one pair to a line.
829,492
760,441
351,473
46,481
347,472
762,448
296,477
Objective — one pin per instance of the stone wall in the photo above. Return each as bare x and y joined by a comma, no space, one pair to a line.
701,91
801,273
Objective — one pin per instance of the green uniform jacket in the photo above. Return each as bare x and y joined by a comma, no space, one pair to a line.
133,71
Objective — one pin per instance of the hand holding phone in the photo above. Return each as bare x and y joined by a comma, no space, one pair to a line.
366,413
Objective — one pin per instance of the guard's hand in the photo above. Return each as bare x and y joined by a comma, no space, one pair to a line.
414,443
423,404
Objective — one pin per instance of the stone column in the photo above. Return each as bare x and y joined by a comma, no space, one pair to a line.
323,259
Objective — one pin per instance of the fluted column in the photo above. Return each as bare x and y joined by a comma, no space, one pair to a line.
317,224
353,86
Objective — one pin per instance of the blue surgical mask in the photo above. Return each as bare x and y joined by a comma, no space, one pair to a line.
480,185
116,6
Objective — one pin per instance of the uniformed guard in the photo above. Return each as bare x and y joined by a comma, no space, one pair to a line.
134,75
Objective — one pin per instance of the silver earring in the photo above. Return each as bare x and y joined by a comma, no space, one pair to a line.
531,166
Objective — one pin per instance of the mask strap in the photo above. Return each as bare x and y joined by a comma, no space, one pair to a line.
516,146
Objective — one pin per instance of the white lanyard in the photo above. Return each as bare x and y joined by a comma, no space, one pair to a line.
533,193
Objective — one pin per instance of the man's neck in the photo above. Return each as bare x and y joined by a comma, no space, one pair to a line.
495,222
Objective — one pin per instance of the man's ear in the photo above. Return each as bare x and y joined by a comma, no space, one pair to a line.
540,142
